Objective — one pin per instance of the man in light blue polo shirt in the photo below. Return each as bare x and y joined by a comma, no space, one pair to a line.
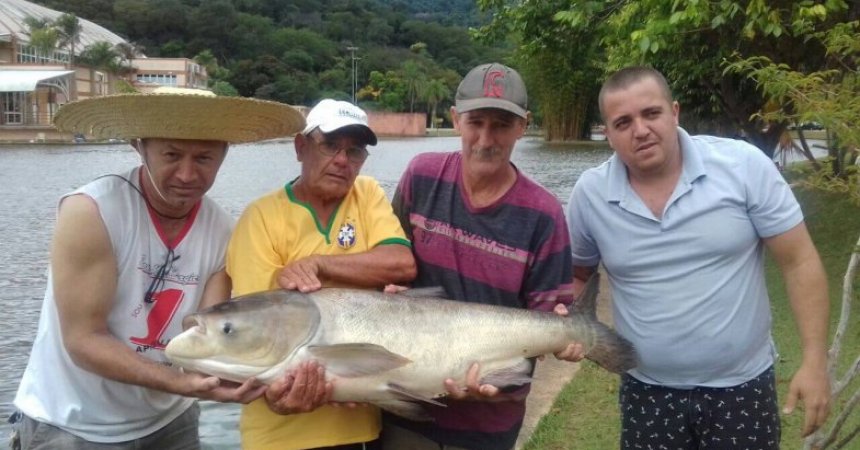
680,224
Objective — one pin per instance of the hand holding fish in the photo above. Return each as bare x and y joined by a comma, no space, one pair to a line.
301,275
394,289
302,390
575,351
473,390
213,388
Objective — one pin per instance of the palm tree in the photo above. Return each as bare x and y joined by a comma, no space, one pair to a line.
434,92
415,80
69,29
43,37
127,51
101,55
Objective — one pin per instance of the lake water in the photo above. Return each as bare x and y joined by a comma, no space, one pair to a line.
33,177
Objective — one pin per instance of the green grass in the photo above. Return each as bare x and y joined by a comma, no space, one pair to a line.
585,414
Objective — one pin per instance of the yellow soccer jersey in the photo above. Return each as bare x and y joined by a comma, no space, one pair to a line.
274,231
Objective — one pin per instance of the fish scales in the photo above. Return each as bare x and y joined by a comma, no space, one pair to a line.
490,335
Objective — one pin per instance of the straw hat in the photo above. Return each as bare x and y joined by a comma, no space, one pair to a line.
178,113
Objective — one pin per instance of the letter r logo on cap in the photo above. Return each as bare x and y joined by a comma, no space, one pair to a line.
494,84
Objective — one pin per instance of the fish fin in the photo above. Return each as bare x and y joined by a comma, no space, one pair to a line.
426,292
515,375
356,359
409,410
611,351
586,302
412,395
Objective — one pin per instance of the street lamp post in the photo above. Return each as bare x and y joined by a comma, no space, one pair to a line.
352,51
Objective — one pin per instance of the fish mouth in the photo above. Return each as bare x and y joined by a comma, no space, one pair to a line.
193,321
190,344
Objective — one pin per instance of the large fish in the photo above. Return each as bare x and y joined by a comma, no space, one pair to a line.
392,350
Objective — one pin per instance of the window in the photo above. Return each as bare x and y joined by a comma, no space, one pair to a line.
163,79
29,54
12,104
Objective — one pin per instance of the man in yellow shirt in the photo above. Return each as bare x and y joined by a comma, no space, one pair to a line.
328,227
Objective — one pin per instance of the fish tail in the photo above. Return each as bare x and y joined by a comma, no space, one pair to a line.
586,302
610,350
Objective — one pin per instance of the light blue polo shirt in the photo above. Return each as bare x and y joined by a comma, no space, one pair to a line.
689,289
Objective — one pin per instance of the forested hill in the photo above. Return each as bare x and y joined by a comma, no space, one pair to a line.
452,12
410,54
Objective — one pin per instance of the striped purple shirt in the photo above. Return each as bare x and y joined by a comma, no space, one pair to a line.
515,252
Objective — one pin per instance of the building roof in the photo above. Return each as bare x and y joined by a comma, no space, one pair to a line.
13,13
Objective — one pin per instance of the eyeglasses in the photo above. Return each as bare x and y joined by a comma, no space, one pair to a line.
158,281
329,149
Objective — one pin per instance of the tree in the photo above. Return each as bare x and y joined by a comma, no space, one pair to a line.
248,76
323,52
98,11
225,89
214,70
332,83
209,26
561,60
435,91
253,36
43,37
384,91
124,87
127,51
452,47
69,33
830,96
827,93
414,79
309,36
688,41
101,55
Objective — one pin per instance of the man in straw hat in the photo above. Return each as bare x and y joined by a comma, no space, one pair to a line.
132,254
507,245
328,227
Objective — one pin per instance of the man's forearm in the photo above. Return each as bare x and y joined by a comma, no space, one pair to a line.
385,264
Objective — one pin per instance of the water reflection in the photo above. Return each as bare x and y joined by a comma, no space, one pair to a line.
32,178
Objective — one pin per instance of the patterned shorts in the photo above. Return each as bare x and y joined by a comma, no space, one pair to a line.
743,417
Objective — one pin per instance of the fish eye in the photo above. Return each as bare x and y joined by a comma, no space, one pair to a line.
228,328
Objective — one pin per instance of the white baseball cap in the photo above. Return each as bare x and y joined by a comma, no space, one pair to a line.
330,115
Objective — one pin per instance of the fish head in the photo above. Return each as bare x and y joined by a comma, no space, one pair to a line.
245,337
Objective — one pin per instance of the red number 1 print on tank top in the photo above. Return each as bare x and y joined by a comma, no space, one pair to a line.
165,305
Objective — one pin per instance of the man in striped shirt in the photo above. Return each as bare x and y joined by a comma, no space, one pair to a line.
487,233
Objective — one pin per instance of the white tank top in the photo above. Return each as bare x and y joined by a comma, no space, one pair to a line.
55,390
